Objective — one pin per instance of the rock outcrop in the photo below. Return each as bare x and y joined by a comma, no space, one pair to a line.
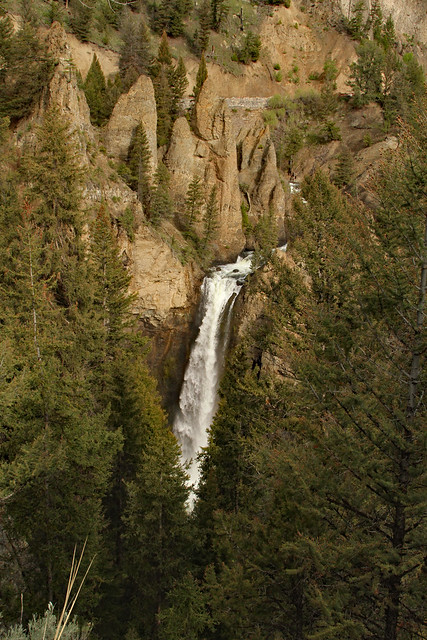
227,150
138,105
64,93
163,285
258,171
166,301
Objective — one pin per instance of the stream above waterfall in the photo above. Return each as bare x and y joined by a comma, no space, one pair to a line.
199,392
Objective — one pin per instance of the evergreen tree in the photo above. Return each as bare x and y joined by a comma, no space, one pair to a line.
139,157
178,85
169,16
366,73
158,530
365,428
356,25
388,35
95,92
250,50
210,220
205,21
56,459
161,202
54,174
202,74
81,20
55,13
193,205
187,614
265,233
344,169
26,71
135,53
28,14
162,74
376,20
218,13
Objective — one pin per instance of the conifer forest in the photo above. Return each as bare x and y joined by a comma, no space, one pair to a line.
144,145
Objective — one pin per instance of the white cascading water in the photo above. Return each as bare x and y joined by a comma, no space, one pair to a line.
198,398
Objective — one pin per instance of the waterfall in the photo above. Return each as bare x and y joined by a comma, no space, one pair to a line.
198,398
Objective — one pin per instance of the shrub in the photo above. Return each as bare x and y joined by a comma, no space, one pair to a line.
277,102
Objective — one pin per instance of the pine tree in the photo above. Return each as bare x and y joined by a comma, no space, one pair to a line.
162,74
376,20
96,93
186,615
158,530
210,220
28,14
161,202
205,21
344,169
169,16
135,53
57,457
202,74
81,20
27,70
265,233
139,157
218,13
357,411
366,73
55,176
193,205
178,85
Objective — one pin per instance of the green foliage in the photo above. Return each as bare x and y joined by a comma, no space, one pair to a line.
328,132
376,20
380,75
187,615
219,11
158,531
367,72
139,158
95,92
81,20
330,74
55,13
26,71
168,16
250,49
277,102
266,236
169,82
135,53
161,201
202,74
344,169
210,222
193,205
28,13
270,118
291,140
205,22
356,26
56,460
127,221
46,627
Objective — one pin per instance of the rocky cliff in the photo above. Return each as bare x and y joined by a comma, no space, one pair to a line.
230,148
